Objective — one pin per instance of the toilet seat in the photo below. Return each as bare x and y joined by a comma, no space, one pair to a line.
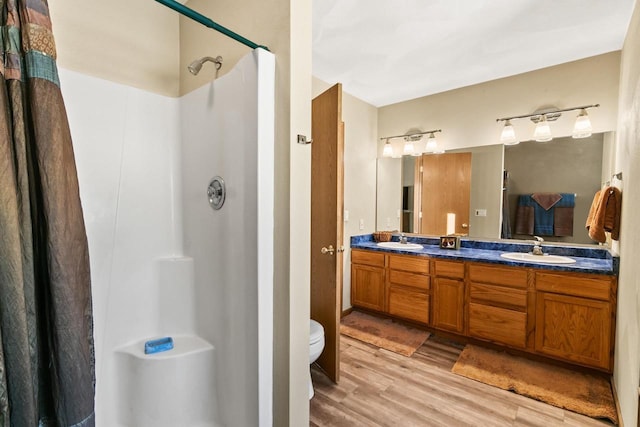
316,332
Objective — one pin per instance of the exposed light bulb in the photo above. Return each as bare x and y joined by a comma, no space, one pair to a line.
508,136
582,128
542,132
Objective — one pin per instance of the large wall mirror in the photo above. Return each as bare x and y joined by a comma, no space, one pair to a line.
427,194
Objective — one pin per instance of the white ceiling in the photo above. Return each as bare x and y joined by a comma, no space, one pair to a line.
388,51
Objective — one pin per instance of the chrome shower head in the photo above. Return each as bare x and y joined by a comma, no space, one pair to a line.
195,67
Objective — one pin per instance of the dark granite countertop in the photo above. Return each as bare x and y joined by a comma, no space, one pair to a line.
588,259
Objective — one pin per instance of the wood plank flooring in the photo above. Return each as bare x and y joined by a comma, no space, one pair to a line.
380,388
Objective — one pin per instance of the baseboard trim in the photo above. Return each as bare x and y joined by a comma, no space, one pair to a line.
615,399
345,312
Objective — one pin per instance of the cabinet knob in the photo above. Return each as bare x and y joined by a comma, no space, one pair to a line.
330,250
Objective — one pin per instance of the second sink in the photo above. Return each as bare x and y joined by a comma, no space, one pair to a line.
398,245
541,259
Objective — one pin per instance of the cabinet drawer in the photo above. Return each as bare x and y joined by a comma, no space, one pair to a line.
580,286
409,279
409,263
375,259
498,295
505,276
449,269
498,325
409,304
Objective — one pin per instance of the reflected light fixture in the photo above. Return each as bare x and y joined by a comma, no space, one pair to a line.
582,128
412,145
542,132
387,151
508,136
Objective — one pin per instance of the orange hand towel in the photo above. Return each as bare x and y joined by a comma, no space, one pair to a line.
604,214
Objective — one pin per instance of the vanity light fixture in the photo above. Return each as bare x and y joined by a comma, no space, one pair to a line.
582,128
432,144
408,149
412,144
387,151
508,136
542,133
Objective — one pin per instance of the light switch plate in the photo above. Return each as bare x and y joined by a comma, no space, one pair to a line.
481,212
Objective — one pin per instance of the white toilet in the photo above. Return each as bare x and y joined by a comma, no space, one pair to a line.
316,345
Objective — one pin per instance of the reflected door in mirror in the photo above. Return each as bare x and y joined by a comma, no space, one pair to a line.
445,189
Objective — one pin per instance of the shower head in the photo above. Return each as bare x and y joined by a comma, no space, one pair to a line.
196,66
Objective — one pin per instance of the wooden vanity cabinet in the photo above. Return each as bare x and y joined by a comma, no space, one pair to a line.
558,314
368,279
498,304
448,295
575,317
408,285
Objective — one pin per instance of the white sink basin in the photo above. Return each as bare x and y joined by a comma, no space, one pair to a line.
398,245
540,259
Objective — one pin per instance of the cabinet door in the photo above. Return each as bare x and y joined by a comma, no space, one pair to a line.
574,328
367,287
448,302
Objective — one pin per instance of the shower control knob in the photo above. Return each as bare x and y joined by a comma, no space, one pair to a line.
330,250
216,192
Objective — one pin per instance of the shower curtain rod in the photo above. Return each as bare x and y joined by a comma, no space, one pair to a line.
190,13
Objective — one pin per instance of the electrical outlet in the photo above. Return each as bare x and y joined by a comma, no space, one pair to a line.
481,212
361,224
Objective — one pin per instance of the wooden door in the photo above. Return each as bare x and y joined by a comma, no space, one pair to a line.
446,186
327,171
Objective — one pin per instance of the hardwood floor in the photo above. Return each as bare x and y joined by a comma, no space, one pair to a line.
380,388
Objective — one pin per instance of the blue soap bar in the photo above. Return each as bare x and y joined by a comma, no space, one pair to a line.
156,346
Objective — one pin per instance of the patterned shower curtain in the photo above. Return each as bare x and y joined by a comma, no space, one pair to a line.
46,337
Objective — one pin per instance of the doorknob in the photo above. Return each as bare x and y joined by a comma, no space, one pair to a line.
465,225
330,250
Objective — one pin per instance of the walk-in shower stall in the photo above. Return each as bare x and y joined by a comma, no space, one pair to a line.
164,262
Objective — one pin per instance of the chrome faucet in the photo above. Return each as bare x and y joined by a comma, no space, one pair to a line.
537,246
403,238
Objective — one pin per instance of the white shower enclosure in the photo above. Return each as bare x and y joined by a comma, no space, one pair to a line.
164,263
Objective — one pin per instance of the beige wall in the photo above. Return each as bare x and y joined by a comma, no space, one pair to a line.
144,44
627,161
132,42
360,133
467,116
